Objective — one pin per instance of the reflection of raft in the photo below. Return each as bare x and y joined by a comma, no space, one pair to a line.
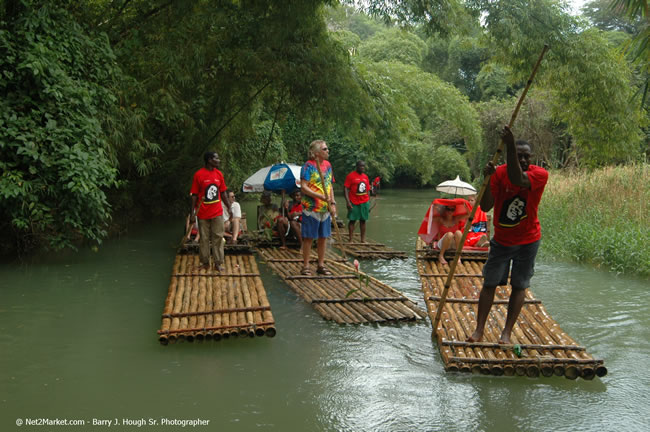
368,250
545,347
211,305
340,297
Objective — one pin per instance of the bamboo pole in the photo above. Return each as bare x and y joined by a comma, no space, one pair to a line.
253,300
192,308
486,181
231,290
200,319
269,329
209,306
217,318
169,301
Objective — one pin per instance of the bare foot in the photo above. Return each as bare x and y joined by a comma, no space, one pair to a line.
475,337
504,339
202,267
219,268
443,261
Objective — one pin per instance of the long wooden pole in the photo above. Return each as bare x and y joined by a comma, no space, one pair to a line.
329,206
486,182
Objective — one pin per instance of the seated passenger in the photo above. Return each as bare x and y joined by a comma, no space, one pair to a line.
443,225
192,229
269,219
478,233
232,223
291,224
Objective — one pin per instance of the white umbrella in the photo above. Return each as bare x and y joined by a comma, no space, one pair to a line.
255,183
456,187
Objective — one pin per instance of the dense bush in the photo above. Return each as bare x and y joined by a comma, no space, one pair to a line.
54,156
599,217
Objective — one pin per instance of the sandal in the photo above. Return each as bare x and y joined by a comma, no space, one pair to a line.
305,271
323,271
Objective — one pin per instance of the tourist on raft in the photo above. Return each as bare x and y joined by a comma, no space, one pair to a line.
477,235
515,192
291,225
443,225
356,189
232,221
268,215
318,204
207,192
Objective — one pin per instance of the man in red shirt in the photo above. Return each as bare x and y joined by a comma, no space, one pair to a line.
515,192
208,189
357,188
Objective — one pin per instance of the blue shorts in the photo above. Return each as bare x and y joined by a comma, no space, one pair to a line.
316,225
497,267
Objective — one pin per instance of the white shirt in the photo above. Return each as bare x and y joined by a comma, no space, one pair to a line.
236,211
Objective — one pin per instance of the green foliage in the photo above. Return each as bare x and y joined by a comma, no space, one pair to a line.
492,82
418,113
55,87
599,217
442,16
589,82
345,18
457,60
394,45
607,16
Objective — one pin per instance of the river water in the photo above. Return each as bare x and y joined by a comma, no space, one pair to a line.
78,341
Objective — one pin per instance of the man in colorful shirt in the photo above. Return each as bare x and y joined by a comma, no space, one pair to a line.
317,204
208,190
515,192
356,188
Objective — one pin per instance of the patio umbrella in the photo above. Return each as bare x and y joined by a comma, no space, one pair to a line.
456,187
277,178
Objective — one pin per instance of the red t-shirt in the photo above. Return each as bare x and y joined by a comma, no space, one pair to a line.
515,208
296,208
442,230
359,186
208,185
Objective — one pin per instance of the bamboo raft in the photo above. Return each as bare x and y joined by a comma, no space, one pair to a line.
368,250
545,348
205,304
340,297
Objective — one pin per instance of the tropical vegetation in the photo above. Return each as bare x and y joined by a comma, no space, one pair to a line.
107,106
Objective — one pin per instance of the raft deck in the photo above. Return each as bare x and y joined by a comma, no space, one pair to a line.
545,348
370,249
341,297
206,304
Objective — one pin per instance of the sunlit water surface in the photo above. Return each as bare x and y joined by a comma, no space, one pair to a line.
78,341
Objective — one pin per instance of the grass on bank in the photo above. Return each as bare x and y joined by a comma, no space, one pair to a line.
599,217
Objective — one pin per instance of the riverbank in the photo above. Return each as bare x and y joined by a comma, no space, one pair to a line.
599,217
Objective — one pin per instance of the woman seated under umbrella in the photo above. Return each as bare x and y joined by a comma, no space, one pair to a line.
443,225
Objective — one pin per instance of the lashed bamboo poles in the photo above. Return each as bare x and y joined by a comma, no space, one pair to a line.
546,349
369,249
205,305
486,181
341,297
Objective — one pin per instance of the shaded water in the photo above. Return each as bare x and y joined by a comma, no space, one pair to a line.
78,341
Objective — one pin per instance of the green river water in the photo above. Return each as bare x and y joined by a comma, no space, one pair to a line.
78,342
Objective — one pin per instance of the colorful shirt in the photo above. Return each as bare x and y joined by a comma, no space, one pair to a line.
515,208
296,207
208,185
359,186
309,172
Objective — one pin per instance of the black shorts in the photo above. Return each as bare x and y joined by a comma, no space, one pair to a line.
497,267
